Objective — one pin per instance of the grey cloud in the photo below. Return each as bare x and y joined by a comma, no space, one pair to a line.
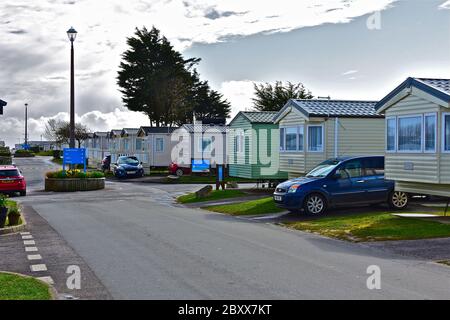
213,14
18,31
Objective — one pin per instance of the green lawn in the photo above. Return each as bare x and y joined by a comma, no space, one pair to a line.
254,207
205,179
374,227
215,195
14,287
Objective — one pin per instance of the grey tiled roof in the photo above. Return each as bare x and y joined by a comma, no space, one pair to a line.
259,116
336,108
440,84
130,130
116,131
100,134
149,130
190,128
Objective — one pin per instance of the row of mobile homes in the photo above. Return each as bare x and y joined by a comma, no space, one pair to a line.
312,131
417,139
151,145
253,141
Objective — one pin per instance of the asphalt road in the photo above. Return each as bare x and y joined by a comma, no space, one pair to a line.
141,246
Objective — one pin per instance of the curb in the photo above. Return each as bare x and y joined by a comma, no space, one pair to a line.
51,289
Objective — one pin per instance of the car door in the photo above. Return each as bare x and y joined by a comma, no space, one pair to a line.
349,187
376,185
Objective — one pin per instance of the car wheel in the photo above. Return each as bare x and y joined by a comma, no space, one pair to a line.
315,204
179,172
23,193
398,200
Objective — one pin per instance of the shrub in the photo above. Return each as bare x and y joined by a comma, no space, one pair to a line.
24,153
77,174
57,154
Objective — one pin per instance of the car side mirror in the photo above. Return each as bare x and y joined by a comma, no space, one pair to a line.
142,163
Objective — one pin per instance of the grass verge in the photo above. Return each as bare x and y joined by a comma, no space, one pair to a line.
215,195
374,227
15,287
254,207
206,179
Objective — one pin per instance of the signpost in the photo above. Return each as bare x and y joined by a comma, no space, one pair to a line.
74,156
220,179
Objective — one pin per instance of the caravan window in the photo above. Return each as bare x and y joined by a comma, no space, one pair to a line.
446,136
391,129
410,133
291,139
315,138
159,144
430,132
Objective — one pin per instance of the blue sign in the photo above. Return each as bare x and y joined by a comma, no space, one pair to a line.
25,146
200,165
74,156
220,173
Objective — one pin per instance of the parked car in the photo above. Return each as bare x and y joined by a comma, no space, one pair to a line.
177,170
127,166
340,182
12,181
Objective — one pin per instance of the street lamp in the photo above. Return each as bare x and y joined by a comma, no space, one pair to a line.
72,34
26,125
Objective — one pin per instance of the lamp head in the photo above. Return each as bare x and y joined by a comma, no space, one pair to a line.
72,34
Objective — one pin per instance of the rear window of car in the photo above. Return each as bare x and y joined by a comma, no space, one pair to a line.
9,173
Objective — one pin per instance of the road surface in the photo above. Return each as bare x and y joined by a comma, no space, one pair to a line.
142,246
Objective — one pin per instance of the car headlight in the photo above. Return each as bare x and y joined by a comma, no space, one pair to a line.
294,188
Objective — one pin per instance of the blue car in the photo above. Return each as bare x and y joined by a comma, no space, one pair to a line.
127,167
340,182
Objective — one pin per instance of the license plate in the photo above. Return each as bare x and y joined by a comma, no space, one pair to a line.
7,181
278,198
131,172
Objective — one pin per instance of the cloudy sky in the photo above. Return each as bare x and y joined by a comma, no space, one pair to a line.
348,49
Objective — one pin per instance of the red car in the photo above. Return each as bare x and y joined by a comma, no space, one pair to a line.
12,181
177,170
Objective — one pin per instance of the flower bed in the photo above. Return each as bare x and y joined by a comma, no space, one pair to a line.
74,180
10,214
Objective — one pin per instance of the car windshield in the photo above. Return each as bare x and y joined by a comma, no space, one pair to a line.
323,169
128,160
9,173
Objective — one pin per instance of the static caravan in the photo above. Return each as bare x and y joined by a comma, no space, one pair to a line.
115,137
254,144
417,138
200,142
99,143
155,146
128,141
312,131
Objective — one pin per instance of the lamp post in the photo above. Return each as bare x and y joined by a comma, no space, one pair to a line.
72,34
26,125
